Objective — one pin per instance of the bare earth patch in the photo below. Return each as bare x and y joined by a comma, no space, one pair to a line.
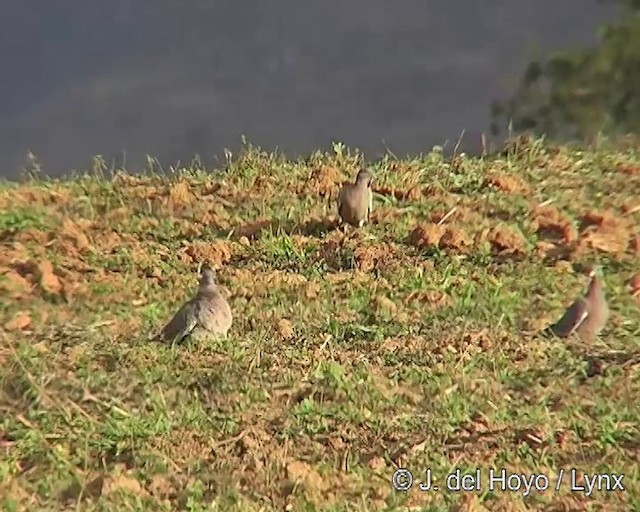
507,183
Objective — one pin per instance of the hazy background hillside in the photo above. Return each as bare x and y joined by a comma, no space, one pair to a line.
173,78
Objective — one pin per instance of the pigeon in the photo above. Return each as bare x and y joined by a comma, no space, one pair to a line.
355,200
206,315
587,315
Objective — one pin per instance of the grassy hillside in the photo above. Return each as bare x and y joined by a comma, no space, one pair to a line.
408,343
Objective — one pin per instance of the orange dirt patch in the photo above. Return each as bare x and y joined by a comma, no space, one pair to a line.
180,194
108,240
49,281
14,284
324,181
634,245
550,224
436,216
231,194
605,220
432,299
252,230
604,231
413,193
312,290
331,251
278,278
302,478
383,305
561,161
20,321
124,180
369,257
456,240
41,273
215,253
70,240
629,170
302,473
506,183
118,214
124,481
389,215
403,169
75,233
137,188
35,196
426,235
445,237
32,235
613,243
285,329
263,183
505,239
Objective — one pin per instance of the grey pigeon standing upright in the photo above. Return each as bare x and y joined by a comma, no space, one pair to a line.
355,200
587,315
206,315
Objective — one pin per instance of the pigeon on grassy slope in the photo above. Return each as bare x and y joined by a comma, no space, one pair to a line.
206,314
355,200
587,315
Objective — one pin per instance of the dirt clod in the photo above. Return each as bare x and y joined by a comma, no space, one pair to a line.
506,183
20,321
507,240
426,235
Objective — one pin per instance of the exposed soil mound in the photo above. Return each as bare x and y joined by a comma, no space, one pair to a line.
507,240
507,183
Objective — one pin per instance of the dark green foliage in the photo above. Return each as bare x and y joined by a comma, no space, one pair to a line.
578,94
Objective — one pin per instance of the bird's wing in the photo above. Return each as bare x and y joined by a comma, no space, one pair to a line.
370,203
181,325
572,318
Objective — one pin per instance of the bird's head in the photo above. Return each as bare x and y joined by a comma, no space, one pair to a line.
207,278
594,274
592,270
364,177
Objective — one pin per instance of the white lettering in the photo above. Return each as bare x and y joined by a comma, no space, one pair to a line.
497,483
598,482
575,486
514,482
541,483
517,482
459,481
589,483
617,482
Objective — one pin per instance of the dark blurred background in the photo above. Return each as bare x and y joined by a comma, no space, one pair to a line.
170,78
